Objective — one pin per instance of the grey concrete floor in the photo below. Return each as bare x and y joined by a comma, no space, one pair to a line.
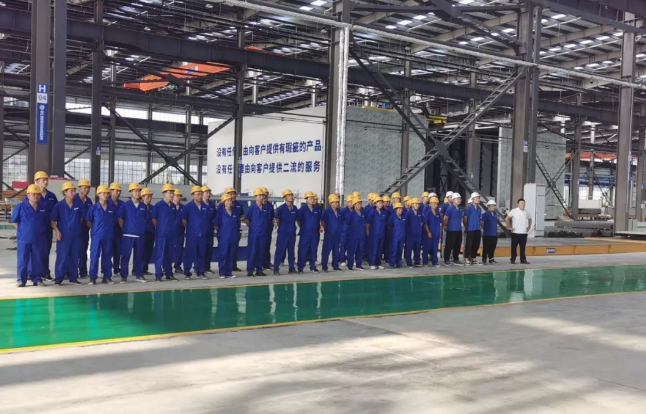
584,355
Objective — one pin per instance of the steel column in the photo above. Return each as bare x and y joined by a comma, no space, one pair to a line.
473,145
533,123
187,144
112,155
639,193
40,157
405,144
149,158
521,109
625,133
576,165
59,88
97,102
254,88
239,123
200,167
2,141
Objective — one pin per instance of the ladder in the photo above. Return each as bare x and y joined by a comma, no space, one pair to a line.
562,169
552,185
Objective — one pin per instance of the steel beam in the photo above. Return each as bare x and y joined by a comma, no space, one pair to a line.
200,166
112,154
97,101
238,127
187,144
149,158
59,88
40,156
2,143
405,144
639,193
576,165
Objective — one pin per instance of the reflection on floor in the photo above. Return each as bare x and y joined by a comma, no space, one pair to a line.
73,319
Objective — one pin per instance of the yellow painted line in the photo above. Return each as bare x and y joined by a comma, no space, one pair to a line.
513,268
285,324
606,239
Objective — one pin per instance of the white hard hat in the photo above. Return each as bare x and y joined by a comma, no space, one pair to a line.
470,200
491,202
449,194
432,195
474,195
455,195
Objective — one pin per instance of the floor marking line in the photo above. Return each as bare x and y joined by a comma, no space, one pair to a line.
293,323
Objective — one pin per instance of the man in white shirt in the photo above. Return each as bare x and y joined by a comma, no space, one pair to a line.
520,223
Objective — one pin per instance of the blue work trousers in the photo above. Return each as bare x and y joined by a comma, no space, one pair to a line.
208,253
430,247
414,246
67,257
132,246
116,252
32,256
164,255
266,259
331,244
194,252
101,250
85,244
386,249
356,247
343,247
225,263
50,238
285,244
376,250
308,245
395,253
178,251
255,253
149,248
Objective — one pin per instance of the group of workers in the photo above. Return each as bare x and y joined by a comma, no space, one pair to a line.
179,238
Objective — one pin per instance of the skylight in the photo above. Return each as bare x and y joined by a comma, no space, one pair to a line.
318,2
404,22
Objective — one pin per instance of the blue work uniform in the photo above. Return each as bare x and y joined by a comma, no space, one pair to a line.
48,201
149,237
69,221
103,224
116,239
258,218
239,211
376,235
32,244
178,245
228,224
356,238
388,211
133,231
344,234
414,223
430,245
165,215
490,224
266,262
210,234
333,223
309,220
286,238
85,238
453,241
398,229
196,233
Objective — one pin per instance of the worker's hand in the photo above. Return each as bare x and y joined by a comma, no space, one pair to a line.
428,233
59,236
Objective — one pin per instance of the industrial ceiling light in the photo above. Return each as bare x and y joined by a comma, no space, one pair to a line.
571,45
586,42
306,8
558,16
391,27
419,17
602,38
477,39
404,22
318,2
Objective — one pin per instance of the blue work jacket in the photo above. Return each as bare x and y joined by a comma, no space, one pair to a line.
134,218
357,224
377,221
474,215
258,220
414,222
272,214
237,208
333,222
490,224
102,221
69,220
444,207
455,215
397,227
433,221
49,200
179,226
228,226
32,222
309,220
212,211
287,219
166,216
196,217
117,207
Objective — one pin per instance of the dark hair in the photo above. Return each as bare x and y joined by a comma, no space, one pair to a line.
519,200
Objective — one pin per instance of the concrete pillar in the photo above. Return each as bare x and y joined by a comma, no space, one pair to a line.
576,164
639,193
473,145
97,101
59,90
405,144
112,155
149,158
533,122
187,144
239,121
593,131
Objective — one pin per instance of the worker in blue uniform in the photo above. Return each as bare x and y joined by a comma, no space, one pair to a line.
266,262
424,206
67,221
356,233
286,238
239,211
195,219
178,245
227,224
31,222
48,200
414,225
332,223
432,229
397,226
489,223
309,221
164,219
210,233
101,219
472,218
83,190
452,224
115,193
389,211
376,227
257,219
343,256
132,220
149,237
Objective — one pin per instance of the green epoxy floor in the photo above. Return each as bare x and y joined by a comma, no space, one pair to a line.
73,319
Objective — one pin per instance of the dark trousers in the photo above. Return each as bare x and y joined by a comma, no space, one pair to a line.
518,240
473,244
452,245
489,244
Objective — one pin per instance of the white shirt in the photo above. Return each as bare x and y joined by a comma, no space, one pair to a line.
519,220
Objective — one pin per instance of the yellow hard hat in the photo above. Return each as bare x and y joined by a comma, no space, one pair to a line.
349,198
398,205
332,198
446,199
178,192
385,198
102,189
39,175
258,191
115,186
148,191
33,189
265,191
425,194
376,198
287,192
415,200
167,187
134,186
309,194
84,183
205,188
196,189
67,186
230,190
434,200
225,197
396,195
407,198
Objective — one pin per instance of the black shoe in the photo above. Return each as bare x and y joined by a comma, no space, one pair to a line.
159,279
492,261
512,261
261,274
48,277
276,273
267,267
292,272
58,283
178,270
324,271
92,282
237,269
83,277
147,273
315,270
524,262
300,272
21,284
171,277
250,274
337,270
76,282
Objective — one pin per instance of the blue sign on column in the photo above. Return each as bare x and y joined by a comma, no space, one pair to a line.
42,114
